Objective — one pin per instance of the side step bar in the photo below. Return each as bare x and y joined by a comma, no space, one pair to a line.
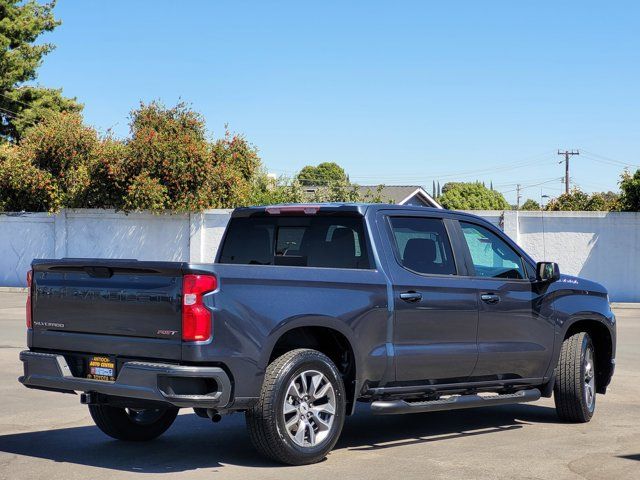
455,402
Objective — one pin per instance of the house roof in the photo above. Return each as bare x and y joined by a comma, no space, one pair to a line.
396,194
399,194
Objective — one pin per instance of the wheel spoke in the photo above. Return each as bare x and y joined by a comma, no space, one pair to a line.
288,408
303,384
294,391
322,424
316,380
299,437
322,392
589,380
292,422
324,408
312,433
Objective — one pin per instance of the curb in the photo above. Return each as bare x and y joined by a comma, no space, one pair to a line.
625,305
13,289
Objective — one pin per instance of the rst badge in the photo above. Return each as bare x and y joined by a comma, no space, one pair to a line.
168,333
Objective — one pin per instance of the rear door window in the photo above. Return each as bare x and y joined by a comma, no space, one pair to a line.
422,245
329,242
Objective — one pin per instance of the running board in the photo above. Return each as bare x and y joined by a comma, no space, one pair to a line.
455,402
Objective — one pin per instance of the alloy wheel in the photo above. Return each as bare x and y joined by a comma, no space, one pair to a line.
309,408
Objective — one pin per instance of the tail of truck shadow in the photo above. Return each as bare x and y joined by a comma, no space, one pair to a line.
192,443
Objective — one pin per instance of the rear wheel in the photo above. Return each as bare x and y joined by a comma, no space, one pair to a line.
301,409
135,425
575,387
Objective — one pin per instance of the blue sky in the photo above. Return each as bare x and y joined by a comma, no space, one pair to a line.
395,92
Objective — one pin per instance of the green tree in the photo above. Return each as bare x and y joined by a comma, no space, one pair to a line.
268,190
449,185
630,186
22,106
337,191
530,205
577,200
604,202
374,195
323,175
471,196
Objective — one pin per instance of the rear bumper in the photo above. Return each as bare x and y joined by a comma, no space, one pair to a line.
177,385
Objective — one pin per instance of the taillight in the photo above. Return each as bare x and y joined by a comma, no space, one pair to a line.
29,279
196,318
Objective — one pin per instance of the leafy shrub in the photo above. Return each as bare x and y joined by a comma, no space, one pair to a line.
169,148
577,200
630,186
65,148
108,179
145,193
23,186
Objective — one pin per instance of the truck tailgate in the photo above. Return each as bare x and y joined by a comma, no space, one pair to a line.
119,307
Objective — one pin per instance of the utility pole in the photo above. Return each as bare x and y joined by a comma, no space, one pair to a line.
567,154
518,196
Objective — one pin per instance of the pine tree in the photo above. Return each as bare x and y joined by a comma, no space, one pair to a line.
21,105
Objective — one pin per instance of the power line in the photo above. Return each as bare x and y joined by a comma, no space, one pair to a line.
520,187
459,174
606,160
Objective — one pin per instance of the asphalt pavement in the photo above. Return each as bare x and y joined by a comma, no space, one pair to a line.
46,435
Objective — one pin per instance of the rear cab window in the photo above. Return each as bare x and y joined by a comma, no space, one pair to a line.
305,241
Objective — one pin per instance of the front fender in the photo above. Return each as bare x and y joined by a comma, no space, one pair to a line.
571,306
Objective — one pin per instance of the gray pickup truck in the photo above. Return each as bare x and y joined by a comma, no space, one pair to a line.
309,309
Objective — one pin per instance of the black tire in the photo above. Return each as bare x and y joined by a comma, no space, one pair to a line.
132,425
266,420
571,392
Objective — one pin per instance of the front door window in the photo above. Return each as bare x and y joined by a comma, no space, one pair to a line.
491,256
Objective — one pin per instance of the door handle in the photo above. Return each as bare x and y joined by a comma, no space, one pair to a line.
411,296
490,298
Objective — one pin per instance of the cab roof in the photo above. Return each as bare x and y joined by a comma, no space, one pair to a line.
340,208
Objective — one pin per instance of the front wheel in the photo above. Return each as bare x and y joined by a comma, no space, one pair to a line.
135,425
301,409
575,389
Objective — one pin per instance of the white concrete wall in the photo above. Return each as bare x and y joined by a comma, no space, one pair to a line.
601,246
22,238
106,234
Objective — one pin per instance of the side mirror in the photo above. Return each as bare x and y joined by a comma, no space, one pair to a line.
547,271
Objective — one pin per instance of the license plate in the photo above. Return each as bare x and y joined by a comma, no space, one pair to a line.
102,367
